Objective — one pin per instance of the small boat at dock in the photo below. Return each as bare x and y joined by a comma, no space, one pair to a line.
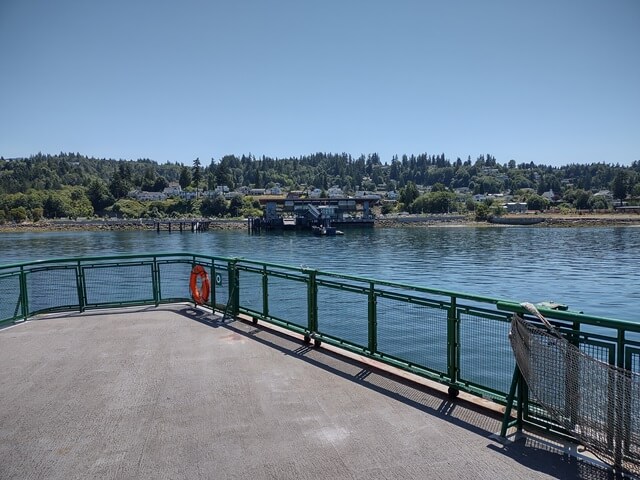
328,231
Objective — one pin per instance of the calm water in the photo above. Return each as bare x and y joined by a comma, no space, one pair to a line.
595,270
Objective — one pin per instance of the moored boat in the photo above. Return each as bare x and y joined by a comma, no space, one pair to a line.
329,231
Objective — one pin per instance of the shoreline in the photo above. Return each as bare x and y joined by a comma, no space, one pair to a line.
417,221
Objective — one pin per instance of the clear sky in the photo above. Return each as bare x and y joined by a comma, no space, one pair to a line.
548,81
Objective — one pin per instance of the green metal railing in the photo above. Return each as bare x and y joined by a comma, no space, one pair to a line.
457,339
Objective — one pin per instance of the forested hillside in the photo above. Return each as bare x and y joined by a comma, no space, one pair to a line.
74,185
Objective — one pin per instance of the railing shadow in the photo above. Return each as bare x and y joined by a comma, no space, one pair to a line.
549,458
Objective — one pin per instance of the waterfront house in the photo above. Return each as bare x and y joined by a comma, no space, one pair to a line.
315,193
515,207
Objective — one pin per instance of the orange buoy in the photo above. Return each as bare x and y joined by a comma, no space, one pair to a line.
199,295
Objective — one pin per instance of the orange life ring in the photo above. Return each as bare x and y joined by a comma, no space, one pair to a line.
201,295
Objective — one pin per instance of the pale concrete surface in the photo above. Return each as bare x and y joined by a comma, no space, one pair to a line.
171,393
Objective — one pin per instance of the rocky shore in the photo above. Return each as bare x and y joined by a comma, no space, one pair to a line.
554,220
111,225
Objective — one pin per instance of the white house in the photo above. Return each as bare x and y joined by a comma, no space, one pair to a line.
604,193
335,191
174,189
515,207
393,195
144,196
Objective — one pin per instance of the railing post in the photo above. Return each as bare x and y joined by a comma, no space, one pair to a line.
515,393
82,301
453,342
373,319
265,292
234,287
155,281
312,302
24,294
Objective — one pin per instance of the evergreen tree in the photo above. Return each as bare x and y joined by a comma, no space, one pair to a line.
99,195
196,173
409,193
118,186
185,177
619,186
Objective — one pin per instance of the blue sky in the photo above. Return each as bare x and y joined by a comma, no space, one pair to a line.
548,81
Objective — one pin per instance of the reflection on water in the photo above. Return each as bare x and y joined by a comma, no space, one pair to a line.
590,269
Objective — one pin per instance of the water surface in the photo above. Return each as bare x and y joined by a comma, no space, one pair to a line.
594,270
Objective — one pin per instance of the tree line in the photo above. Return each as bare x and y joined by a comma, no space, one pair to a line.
74,185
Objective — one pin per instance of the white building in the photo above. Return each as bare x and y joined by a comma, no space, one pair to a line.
393,195
335,191
174,189
144,196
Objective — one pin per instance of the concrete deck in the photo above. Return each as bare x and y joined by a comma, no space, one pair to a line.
170,392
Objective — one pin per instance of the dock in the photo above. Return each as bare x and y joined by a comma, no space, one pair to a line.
175,392
194,226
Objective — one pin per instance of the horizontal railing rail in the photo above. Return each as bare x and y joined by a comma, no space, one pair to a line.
455,338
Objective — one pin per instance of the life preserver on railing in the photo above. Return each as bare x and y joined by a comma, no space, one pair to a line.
199,295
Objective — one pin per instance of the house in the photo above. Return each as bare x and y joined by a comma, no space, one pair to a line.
145,196
606,194
364,194
188,195
335,191
515,207
173,190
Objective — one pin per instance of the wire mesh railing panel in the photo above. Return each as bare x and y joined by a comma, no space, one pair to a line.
10,306
220,291
288,300
251,290
119,284
599,350
633,365
174,279
344,314
413,333
633,359
485,353
52,288
633,434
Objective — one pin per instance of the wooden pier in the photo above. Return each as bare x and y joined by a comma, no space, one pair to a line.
194,226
